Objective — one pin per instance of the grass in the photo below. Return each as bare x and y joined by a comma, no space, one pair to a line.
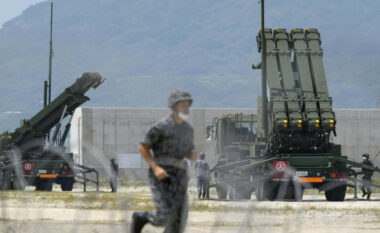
111,201
140,199
196,206
122,182
6,220
89,200
354,211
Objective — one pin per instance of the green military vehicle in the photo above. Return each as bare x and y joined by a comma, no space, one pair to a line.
28,157
294,150
234,138
287,146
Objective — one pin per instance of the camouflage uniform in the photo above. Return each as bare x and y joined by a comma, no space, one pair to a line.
201,171
367,179
171,143
114,173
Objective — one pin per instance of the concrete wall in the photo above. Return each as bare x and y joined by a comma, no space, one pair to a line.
358,131
98,134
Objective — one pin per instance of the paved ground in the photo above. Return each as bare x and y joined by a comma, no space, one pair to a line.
92,212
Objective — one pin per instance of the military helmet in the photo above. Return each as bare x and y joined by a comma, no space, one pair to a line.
202,155
366,155
177,96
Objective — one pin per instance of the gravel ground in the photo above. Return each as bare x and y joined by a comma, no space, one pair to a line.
76,211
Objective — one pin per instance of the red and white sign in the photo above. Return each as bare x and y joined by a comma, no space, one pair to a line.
280,165
28,166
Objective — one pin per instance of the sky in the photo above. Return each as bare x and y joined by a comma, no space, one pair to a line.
13,8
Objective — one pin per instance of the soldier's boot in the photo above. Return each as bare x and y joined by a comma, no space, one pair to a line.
138,222
207,193
364,192
369,196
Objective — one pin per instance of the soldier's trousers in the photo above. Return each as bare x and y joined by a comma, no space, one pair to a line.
113,183
170,199
367,186
202,185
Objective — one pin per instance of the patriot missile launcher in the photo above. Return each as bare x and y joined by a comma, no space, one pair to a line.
287,146
28,157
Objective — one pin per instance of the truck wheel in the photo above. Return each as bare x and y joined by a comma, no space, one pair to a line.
19,184
336,192
67,184
246,191
293,192
234,193
222,192
247,195
44,185
265,190
6,185
298,193
11,185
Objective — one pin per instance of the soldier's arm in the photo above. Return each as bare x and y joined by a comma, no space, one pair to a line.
158,171
152,138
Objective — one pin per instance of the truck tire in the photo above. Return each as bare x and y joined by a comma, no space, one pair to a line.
239,194
5,183
298,193
337,192
247,195
234,193
265,190
19,185
292,193
222,192
67,184
44,185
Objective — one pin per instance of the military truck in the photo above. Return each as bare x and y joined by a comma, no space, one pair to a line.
233,137
29,156
286,147
294,151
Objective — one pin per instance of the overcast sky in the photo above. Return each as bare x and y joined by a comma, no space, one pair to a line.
12,8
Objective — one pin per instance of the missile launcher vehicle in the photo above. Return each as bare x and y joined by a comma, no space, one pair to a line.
287,146
28,157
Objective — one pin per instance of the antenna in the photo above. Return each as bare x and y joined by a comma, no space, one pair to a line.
47,84
51,52
263,74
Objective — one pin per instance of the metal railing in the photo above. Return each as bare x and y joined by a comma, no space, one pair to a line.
80,172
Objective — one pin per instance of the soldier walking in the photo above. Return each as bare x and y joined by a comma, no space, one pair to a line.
367,177
114,172
202,173
171,140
